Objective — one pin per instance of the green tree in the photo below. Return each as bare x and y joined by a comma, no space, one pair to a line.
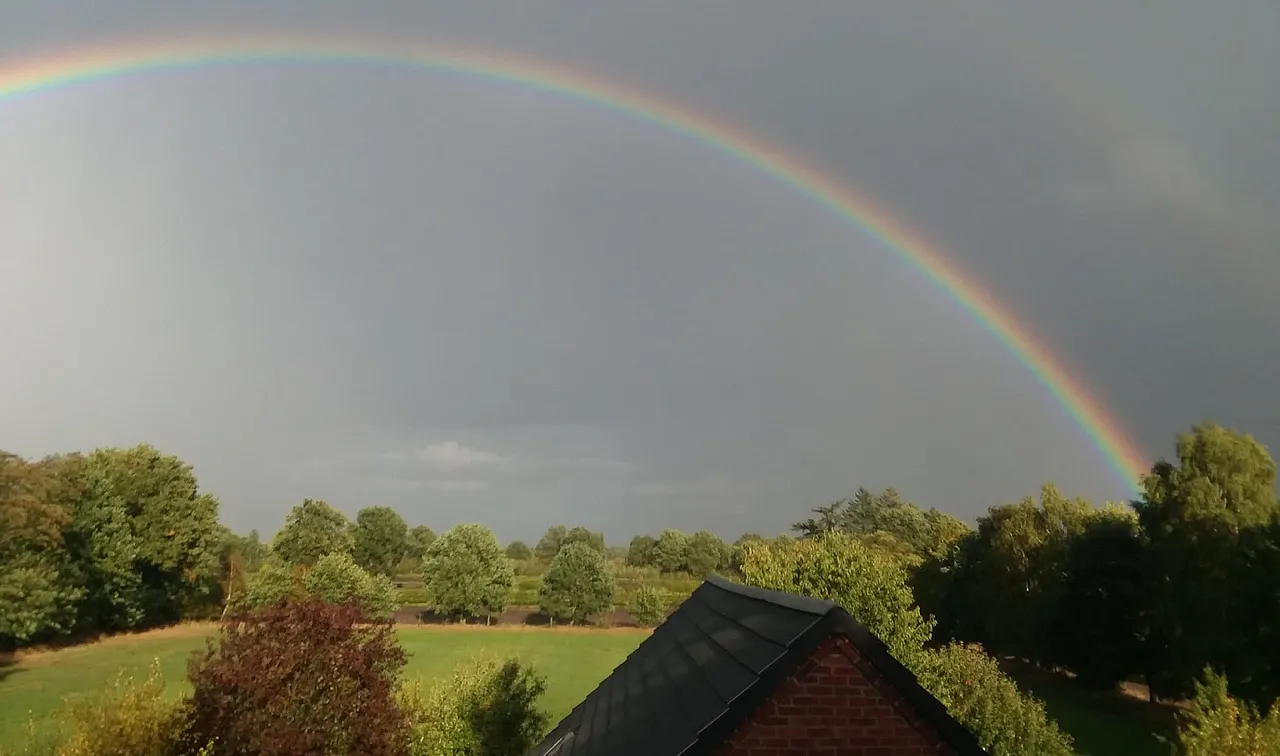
273,582
738,549
549,545
311,530
704,554
577,584
418,541
467,573
925,532
144,536
251,549
1097,628
640,551
1196,515
583,535
671,552
519,551
38,589
870,585
337,579
381,540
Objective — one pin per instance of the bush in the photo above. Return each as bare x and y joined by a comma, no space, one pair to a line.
647,605
299,678
486,708
1218,725
129,718
1006,721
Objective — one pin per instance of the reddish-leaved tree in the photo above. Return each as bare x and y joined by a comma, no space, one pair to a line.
299,678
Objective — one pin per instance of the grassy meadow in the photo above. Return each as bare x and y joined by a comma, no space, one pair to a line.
573,661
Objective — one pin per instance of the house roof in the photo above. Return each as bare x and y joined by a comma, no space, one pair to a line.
717,658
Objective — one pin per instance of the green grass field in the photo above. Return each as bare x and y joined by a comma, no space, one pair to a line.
573,661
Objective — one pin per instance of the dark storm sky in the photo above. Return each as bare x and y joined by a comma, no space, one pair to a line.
478,303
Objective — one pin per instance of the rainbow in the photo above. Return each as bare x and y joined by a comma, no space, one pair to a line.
86,65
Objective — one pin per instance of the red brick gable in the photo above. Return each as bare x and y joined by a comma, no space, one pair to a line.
835,704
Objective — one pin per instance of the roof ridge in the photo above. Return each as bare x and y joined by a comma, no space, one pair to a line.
791,601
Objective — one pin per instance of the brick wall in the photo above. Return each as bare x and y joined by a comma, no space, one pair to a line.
835,704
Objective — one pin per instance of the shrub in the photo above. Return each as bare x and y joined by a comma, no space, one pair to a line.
647,605
486,708
1218,725
299,678
1006,721
577,585
129,718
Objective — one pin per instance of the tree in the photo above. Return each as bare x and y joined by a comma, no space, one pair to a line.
1196,515
870,585
925,532
582,535
311,530
467,573
738,549
337,579
577,584
640,552
1096,628
550,543
704,554
1012,579
1006,721
38,589
418,541
299,678
380,540
142,533
519,551
670,553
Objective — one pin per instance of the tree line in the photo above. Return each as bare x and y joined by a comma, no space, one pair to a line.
1183,579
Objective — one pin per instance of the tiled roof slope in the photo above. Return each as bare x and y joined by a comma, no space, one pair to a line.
718,657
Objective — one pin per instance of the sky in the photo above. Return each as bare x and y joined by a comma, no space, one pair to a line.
480,303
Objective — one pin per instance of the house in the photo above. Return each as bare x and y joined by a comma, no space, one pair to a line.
741,671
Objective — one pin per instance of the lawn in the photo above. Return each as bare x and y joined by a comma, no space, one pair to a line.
1100,723
573,661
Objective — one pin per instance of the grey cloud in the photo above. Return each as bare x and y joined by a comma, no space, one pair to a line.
553,313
